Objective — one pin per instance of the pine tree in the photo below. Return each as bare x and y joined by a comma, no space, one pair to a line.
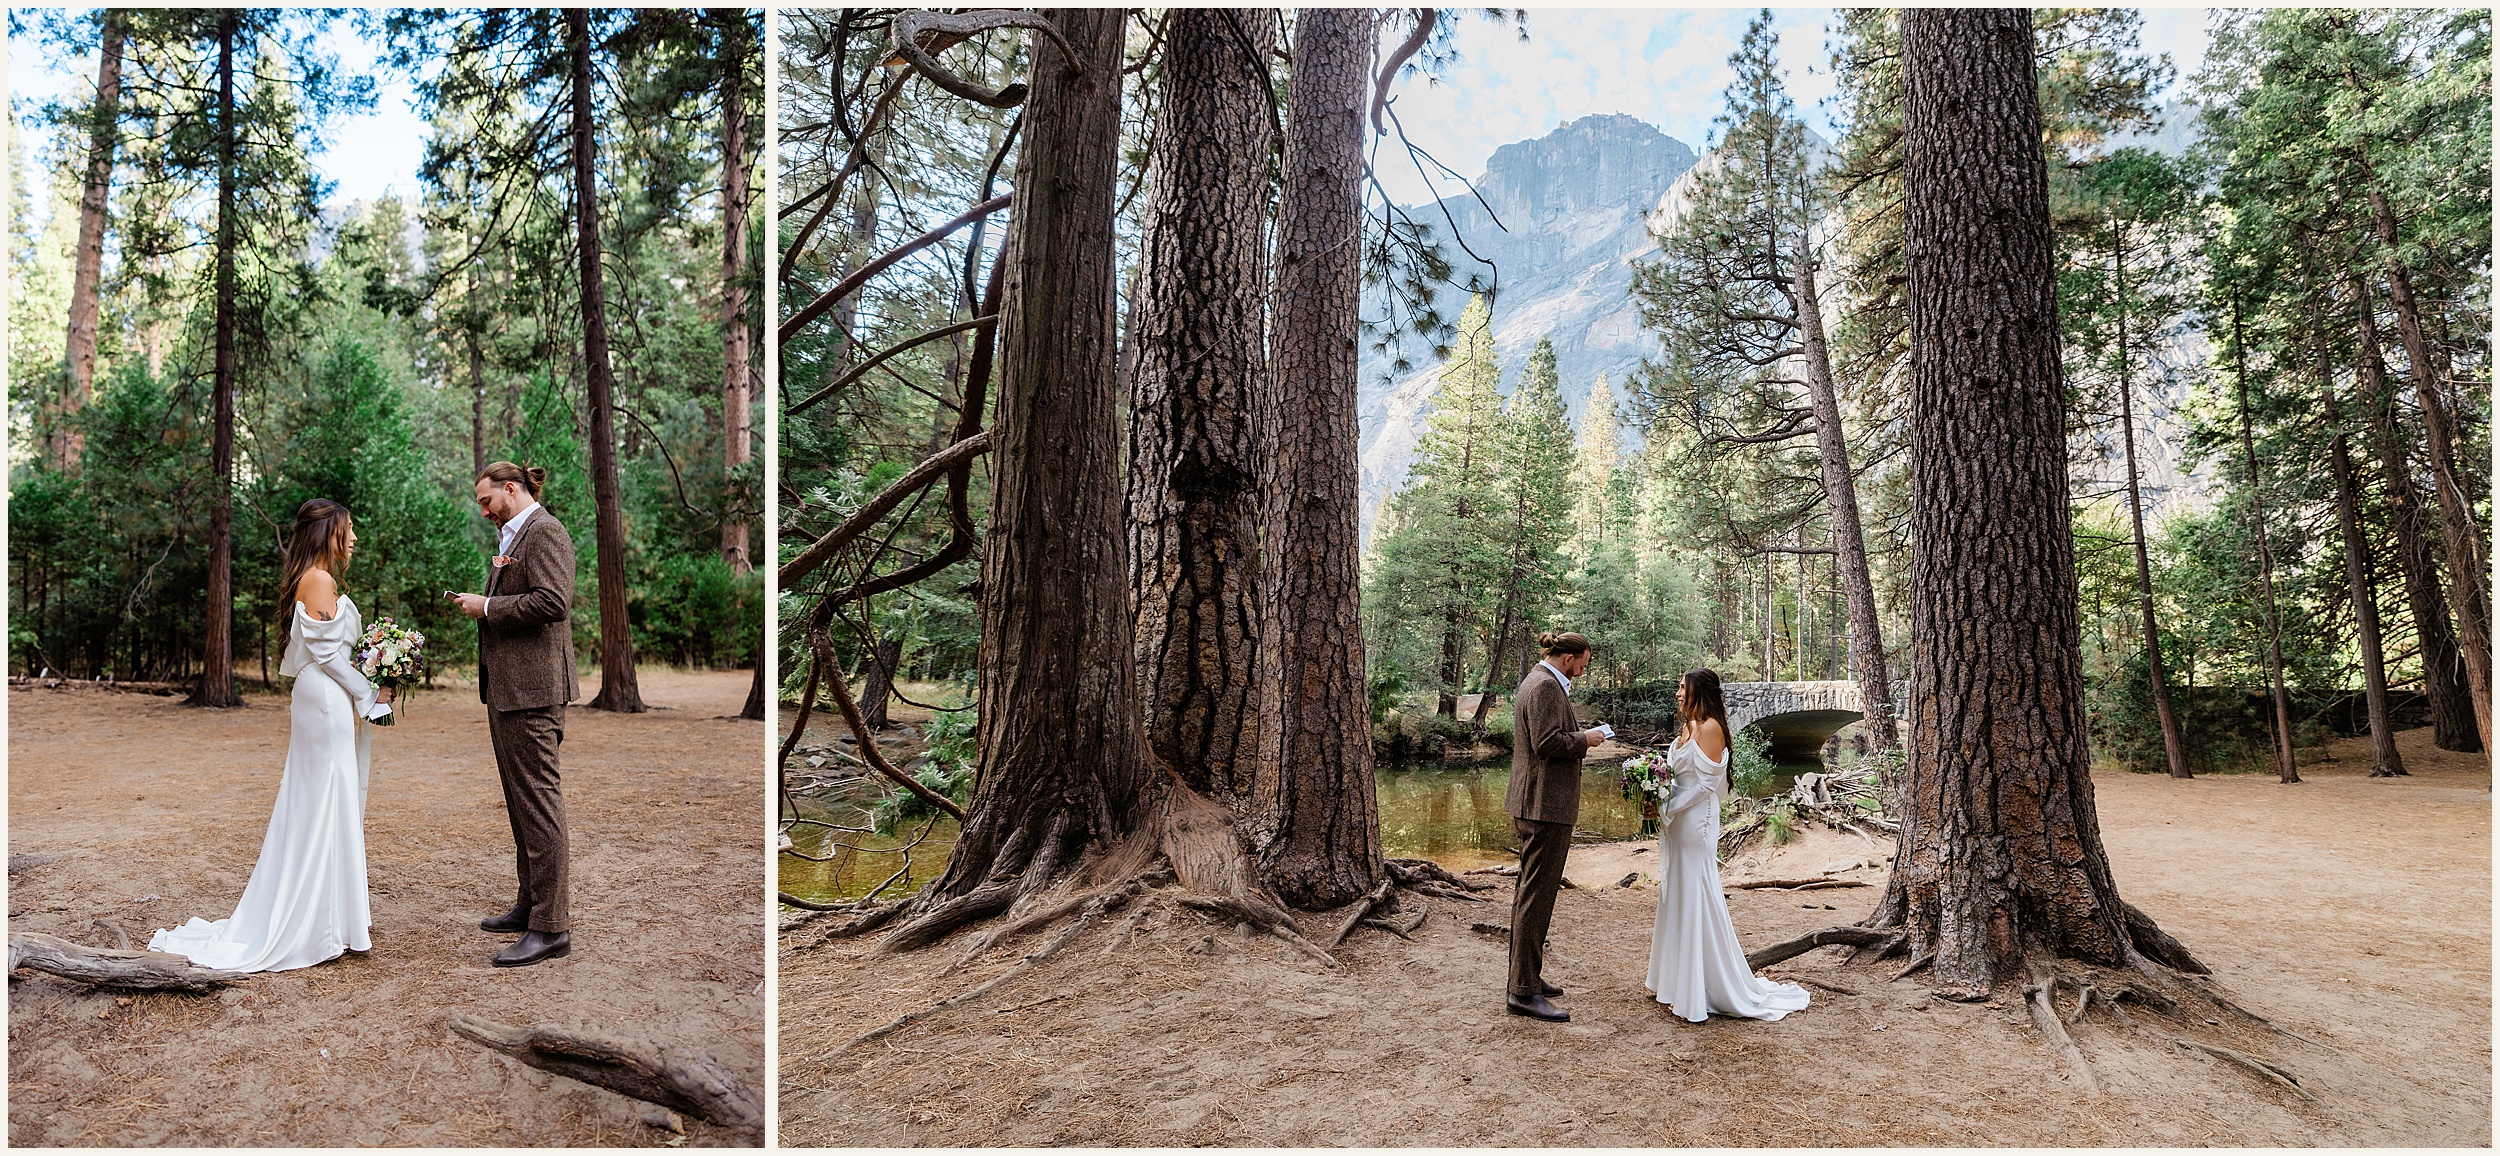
1533,479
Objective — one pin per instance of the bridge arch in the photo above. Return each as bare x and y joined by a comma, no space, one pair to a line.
1797,717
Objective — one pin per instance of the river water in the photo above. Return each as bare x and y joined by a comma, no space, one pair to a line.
1448,812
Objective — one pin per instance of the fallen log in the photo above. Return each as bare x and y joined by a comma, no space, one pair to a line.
673,1076
1796,884
1851,936
109,967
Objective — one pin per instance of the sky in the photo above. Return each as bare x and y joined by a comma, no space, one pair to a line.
1665,66
364,154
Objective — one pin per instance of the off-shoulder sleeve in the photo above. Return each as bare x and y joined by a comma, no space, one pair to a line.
332,649
1701,782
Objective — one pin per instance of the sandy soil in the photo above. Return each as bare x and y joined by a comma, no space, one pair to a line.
2357,913
156,812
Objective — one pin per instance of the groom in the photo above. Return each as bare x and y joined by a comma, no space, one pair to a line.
1547,745
525,676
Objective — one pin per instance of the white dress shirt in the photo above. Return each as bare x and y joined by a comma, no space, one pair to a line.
1566,679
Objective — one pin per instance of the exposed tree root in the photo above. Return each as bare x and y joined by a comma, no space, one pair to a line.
1362,908
673,1076
1406,930
1810,981
1272,920
2041,993
1103,901
110,967
2264,1068
1413,874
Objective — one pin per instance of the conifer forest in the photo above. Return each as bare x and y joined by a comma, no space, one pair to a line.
203,334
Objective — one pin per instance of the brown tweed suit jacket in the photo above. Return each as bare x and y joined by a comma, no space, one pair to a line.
525,642
1546,747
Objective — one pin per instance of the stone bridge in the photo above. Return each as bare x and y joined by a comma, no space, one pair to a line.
1798,716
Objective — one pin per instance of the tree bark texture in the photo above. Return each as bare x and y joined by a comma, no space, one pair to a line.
1197,401
1318,810
2384,759
2286,765
618,690
1840,487
2460,532
2443,671
736,439
2000,845
877,691
103,139
217,634
2173,744
1063,761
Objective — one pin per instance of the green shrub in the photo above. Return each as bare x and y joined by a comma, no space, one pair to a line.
1749,767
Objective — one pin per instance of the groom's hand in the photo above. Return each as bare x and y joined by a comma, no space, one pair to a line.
473,605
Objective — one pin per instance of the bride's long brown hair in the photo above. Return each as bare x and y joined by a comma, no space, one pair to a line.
1703,700
319,539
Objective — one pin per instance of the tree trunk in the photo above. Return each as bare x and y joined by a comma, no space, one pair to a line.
1064,765
2001,862
1453,657
878,691
477,380
217,637
1318,809
2443,675
754,709
103,138
2385,761
2460,532
1840,487
735,436
1494,646
2286,766
2174,745
618,690
1197,402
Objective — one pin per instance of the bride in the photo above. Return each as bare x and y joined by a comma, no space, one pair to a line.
1696,967
306,900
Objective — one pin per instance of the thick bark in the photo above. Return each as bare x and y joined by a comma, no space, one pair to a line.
103,138
878,689
2173,744
2286,765
736,439
477,379
1318,812
754,709
2384,759
2443,671
1840,488
2001,856
1197,402
217,635
618,690
2460,532
1063,763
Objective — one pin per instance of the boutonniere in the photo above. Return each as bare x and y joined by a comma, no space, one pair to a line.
502,560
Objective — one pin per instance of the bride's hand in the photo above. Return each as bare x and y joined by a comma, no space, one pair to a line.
387,694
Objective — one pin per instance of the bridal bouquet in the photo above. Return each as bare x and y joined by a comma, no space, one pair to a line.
391,655
1647,774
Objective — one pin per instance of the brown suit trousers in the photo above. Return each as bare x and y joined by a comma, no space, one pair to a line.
525,676
526,742
1542,849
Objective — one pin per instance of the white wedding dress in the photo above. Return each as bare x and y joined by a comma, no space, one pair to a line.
306,901
1695,964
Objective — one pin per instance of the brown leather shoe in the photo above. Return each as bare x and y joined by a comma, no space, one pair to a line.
1536,1005
535,946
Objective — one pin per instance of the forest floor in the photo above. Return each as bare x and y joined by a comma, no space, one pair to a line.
2354,912
130,812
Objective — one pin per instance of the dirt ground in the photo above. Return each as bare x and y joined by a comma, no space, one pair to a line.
2355,912
156,811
